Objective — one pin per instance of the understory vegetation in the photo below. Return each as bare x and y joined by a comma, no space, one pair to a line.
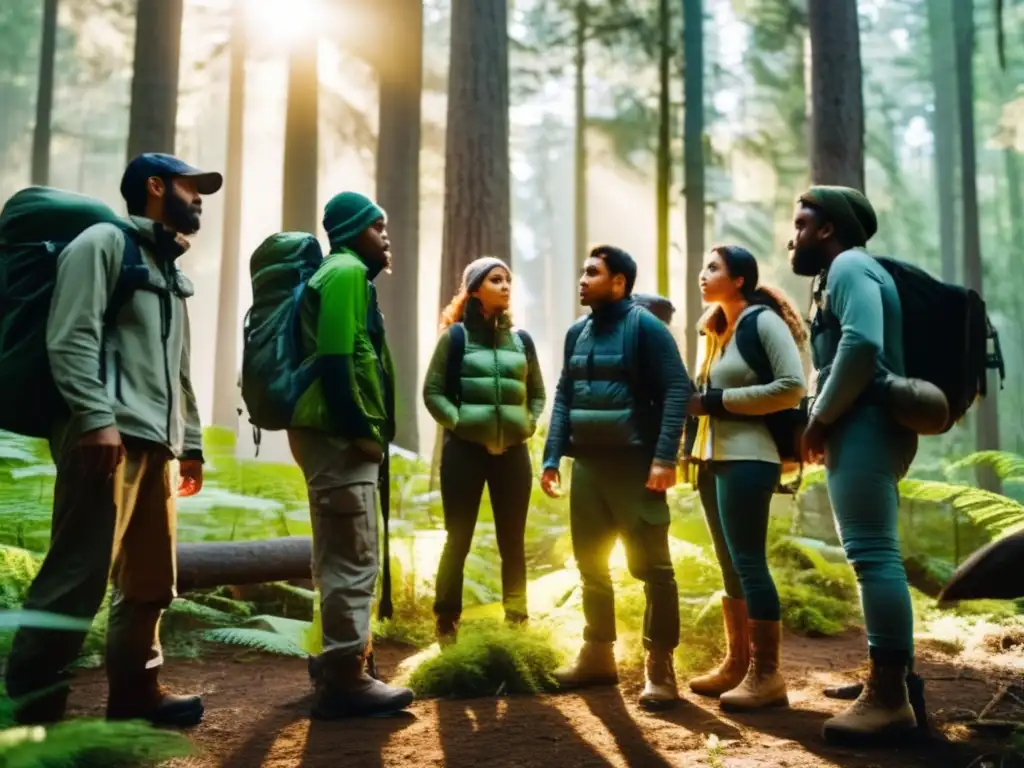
943,521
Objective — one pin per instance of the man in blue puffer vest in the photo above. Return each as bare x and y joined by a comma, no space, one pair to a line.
619,411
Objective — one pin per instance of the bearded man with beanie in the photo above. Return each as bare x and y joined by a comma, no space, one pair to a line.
856,338
350,416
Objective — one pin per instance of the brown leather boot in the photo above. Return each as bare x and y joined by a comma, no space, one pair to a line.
660,690
595,665
139,695
345,690
882,712
763,686
730,672
447,627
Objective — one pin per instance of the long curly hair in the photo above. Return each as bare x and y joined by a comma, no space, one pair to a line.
739,262
462,305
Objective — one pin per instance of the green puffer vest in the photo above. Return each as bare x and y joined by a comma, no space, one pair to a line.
495,407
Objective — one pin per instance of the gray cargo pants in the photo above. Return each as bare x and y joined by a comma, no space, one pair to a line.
342,483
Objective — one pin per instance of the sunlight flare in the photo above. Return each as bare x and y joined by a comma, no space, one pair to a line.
289,22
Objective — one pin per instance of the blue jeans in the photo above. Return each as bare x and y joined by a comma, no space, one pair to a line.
866,454
736,496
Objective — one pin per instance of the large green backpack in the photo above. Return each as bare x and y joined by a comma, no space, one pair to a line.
36,224
274,373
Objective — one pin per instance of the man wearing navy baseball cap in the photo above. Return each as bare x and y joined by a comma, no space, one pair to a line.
117,338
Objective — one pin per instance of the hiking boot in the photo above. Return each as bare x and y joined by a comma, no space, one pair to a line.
660,691
730,672
915,690
343,689
881,712
140,696
595,665
39,703
447,627
762,686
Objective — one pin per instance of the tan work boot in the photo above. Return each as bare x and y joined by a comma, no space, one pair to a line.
730,672
595,665
763,686
881,712
660,691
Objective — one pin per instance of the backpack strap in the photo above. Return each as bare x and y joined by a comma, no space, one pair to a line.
528,346
748,343
453,365
631,350
134,274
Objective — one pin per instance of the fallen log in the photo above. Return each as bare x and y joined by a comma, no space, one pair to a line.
205,564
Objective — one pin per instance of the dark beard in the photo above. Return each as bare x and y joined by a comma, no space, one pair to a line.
808,261
180,215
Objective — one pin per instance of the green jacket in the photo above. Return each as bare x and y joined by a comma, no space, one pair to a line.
502,388
343,329
136,377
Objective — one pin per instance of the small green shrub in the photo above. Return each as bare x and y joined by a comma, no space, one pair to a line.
490,660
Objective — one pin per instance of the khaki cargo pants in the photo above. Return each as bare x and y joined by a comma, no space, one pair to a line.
342,484
119,528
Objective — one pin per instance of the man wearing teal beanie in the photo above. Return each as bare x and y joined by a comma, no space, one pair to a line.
348,416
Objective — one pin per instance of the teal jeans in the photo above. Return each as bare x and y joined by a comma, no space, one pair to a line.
737,496
866,454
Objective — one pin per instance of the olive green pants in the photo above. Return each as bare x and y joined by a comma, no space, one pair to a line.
609,499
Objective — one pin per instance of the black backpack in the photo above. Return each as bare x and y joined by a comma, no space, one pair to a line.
946,335
456,352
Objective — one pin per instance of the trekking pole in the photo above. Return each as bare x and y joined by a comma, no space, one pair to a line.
385,610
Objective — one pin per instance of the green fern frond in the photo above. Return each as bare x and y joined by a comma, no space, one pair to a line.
1007,465
89,742
255,639
41,620
996,514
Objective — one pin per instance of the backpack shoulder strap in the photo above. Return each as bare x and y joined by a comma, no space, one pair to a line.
632,330
453,365
134,274
748,342
528,346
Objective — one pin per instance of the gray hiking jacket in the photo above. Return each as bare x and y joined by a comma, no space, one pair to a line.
136,376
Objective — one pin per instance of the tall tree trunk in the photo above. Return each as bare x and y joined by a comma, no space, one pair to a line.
225,370
943,59
664,163
398,191
693,161
299,211
154,110
837,100
44,97
580,237
986,419
477,204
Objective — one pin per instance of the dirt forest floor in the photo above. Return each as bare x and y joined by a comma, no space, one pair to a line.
257,715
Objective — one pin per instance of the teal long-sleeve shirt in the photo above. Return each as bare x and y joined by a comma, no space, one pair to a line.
864,300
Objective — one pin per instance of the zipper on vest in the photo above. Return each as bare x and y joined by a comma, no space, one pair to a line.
497,388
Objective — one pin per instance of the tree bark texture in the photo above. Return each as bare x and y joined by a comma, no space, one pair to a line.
837,100
154,109
944,127
693,162
664,160
987,416
580,237
477,204
299,206
42,131
398,192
